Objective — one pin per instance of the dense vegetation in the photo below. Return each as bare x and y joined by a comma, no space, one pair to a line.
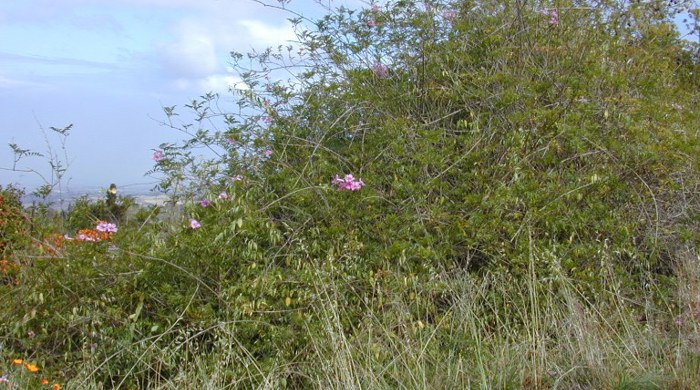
446,194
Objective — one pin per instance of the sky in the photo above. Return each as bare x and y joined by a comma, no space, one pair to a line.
109,67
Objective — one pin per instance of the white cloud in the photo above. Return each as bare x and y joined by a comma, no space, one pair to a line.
197,56
221,83
192,55
261,35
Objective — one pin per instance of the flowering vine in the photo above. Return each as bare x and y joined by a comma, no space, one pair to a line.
348,182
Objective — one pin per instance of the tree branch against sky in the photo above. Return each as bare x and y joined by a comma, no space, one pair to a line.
109,67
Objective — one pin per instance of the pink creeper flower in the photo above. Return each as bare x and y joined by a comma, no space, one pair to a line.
204,203
449,15
373,22
380,70
106,227
553,17
158,155
267,153
223,195
349,182
194,224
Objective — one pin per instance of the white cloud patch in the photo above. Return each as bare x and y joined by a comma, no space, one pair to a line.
262,35
219,83
183,44
222,83
197,57
193,55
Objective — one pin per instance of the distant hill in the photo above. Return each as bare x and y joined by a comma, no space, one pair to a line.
143,194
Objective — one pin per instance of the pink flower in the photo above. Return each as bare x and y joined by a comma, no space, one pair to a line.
267,153
380,70
194,224
237,178
449,15
553,17
267,119
204,203
349,182
223,195
85,237
106,227
231,141
375,8
158,155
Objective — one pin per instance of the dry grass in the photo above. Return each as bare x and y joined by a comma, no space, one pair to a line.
498,333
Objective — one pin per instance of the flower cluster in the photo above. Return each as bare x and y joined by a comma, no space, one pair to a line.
349,182
103,231
9,272
53,244
6,266
91,235
553,17
106,227
449,15
380,70
374,22
33,369
158,155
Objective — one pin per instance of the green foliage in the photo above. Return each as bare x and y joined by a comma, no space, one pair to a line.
83,212
526,175
14,233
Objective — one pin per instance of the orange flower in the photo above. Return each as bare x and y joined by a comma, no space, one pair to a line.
44,381
56,386
91,235
31,367
17,362
53,244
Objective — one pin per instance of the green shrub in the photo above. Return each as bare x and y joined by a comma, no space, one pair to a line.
553,158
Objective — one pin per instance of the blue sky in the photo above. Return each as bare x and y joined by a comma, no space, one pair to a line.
108,67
